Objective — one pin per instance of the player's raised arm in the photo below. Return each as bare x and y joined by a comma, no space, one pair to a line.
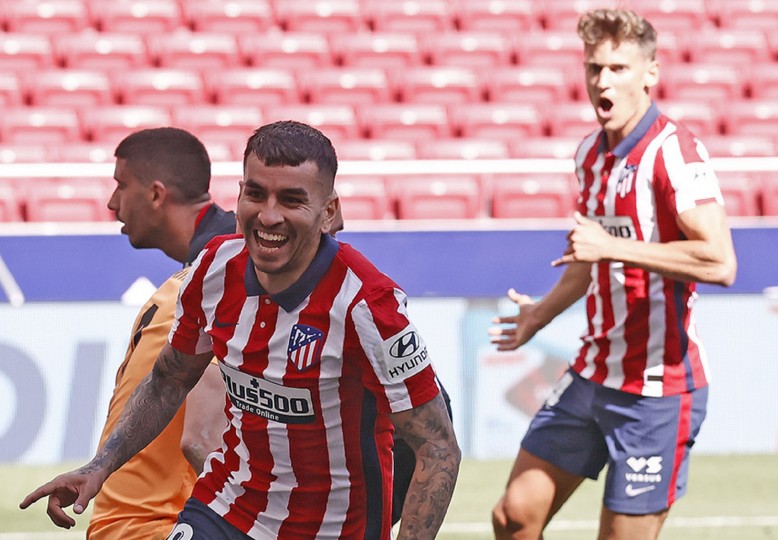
153,404
428,431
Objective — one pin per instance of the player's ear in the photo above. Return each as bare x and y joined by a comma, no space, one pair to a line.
651,75
158,192
333,219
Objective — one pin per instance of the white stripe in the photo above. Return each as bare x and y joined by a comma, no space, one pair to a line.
340,489
11,288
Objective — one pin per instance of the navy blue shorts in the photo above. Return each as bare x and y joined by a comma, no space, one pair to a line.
645,441
198,522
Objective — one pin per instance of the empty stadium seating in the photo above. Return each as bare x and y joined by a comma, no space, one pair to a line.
386,80
364,198
531,195
439,197
67,200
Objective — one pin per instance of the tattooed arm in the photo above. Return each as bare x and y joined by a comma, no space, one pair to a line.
428,431
151,407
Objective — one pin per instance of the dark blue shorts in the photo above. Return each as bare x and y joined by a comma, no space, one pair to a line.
645,441
198,522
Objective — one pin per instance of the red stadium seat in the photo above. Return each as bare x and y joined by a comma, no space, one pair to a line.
562,147
10,202
40,125
729,46
111,123
530,83
204,51
438,84
376,49
505,121
405,121
253,86
349,85
288,50
677,16
10,89
103,50
467,49
376,149
572,119
751,117
22,52
225,124
415,16
505,17
700,117
438,197
320,16
235,17
363,197
23,153
83,152
763,79
756,16
542,195
338,122
741,194
740,145
706,82
561,48
46,16
564,14
143,17
69,87
473,148
159,86
68,200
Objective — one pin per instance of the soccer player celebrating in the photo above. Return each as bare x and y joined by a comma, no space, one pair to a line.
320,364
650,223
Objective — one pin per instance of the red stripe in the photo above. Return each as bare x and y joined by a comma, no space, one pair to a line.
682,438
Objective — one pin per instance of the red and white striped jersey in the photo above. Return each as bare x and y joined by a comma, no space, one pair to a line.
641,335
311,374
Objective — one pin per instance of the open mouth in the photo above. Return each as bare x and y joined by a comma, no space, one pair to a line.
269,240
604,105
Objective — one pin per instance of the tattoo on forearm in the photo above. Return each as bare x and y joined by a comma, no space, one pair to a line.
150,408
428,431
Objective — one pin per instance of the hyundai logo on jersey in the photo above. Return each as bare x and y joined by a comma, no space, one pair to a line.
405,345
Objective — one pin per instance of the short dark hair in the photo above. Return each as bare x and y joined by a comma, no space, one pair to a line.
619,25
293,143
171,155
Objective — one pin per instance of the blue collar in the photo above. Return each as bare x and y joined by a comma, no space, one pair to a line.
630,141
292,296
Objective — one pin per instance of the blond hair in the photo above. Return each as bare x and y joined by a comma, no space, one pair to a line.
619,25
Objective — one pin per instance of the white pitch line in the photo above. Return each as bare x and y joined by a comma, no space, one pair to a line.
8,283
592,525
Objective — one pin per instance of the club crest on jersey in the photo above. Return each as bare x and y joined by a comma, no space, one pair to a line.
305,344
626,179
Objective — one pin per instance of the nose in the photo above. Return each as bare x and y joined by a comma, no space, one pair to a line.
113,202
270,214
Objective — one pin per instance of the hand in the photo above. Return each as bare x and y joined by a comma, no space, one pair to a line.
75,488
587,241
522,328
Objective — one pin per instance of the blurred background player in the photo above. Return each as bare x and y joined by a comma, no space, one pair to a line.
162,180
650,224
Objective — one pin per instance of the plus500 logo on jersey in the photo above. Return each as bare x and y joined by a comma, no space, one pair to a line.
405,354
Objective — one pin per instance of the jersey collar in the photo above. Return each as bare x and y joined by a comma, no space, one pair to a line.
292,296
630,141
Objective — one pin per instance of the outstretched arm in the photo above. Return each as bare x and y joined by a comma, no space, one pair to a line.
151,407
428,431
516,330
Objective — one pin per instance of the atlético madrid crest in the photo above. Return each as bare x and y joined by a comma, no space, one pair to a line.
305,344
